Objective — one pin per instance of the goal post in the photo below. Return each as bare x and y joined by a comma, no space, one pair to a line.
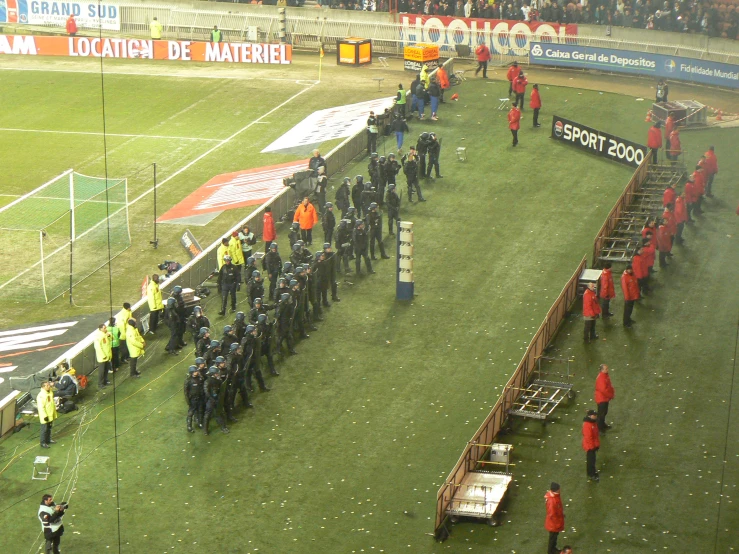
68,219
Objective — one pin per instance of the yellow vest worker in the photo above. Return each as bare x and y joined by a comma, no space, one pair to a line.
215,35
234,250
156,29
425,77
46,412
222,251
154,295
136,345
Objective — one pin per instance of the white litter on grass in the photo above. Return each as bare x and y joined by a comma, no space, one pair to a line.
640,99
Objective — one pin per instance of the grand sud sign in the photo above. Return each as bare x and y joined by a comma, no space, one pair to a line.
510,38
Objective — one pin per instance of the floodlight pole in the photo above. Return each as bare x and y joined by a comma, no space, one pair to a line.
155,242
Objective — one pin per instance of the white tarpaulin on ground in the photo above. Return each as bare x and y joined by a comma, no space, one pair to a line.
329,124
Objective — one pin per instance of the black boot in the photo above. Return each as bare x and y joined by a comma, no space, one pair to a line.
189,424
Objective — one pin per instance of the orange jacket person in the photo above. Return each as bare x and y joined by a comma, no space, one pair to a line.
630,288
590,312
519,87
71,26
443,78
654,140
607,290
591,442
555,520
604,393
514,123
307,217
675,148
512,75
483,57
535,104
712,169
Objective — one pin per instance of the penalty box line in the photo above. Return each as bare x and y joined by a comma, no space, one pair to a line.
220,144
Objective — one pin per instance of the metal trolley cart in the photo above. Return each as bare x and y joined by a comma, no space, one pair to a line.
482,492
550,386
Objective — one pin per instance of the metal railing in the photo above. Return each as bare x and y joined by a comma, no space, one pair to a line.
488,431
325,28
623,202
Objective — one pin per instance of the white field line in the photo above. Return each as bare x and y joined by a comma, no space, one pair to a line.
244,77
159,185
12,130
221,143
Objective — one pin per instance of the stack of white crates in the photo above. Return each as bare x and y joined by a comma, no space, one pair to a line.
405,284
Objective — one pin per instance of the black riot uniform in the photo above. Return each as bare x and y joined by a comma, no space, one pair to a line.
328,222
272,265
212,353
422,148
344,245
393,209
361,246
434,150
259,308
181,309
321,186
172,320
357,194
195,397
296,258
253,354
249,269
392,167
322,275
374,223
227,281
333,263
203,344
229,338
239,326
266,329
294,235
368,196
410,168
381,181
342,197
237,369
284,316
215,390
195,322
256,287
373,169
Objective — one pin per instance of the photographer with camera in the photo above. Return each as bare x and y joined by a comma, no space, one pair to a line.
51,515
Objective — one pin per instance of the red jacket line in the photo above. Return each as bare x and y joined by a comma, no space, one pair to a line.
603,389
590,435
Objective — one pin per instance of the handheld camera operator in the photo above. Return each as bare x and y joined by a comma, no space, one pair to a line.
51,515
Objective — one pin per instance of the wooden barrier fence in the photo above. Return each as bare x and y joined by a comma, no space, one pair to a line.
490,428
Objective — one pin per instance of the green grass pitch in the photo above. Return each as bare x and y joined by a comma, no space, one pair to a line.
348,450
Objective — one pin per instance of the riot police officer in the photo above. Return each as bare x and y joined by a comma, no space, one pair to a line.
249,268
342,196
236,367
195,397
265,328
197,321
368,196
213,352
256,286
434,150
381,181
282,287
373,169
239,325
172,320
253,354
333,262
227,284
203,343
361,244
181,309
259,308
392,167
296,257
284,317
214,400
421,151
393,209
374,222
294,234
357,194
229,378
344,245
272,264
229,337
321,185
410,168
328,222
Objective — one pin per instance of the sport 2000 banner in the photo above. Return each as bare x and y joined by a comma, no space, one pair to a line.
183,50
510,38
597,142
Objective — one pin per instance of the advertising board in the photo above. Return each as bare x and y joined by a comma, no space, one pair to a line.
183,50
510,38
597,142
89,15
638,63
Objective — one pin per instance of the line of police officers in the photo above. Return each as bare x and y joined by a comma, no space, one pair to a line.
225,367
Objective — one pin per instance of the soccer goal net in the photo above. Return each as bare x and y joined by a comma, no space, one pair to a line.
57,235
